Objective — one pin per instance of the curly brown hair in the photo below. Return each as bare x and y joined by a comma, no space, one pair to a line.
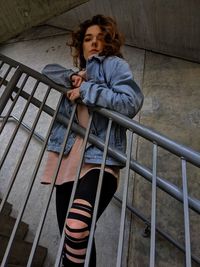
113,39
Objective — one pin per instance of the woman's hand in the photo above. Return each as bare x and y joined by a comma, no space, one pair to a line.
77,79
73,94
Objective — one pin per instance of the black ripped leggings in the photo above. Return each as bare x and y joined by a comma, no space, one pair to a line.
77,225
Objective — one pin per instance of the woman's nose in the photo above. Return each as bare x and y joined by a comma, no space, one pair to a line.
94,41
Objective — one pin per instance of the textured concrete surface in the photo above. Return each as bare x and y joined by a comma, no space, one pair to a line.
169,27
18,16
172,97
171,106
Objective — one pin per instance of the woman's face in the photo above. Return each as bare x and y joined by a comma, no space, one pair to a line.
93,42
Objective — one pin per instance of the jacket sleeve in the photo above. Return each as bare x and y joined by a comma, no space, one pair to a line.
58,74
120,94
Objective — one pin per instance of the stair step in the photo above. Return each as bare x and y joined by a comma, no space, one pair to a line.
7,208
7,224
20,253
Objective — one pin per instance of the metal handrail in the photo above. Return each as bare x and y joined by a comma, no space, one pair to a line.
118,198
183,152
133,210
135,166
152,135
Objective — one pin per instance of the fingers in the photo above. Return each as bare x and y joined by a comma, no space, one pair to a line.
76,80
77,84
74,94
82,74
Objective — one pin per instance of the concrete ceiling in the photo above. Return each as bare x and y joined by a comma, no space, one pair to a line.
18,16
171,27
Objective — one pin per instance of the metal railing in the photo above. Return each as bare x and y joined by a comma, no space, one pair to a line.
13,89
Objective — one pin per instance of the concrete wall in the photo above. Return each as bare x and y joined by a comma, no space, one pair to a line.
168,27
171,106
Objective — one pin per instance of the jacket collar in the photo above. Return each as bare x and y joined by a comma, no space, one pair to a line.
96,57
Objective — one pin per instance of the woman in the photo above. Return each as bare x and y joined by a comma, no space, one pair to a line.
104,80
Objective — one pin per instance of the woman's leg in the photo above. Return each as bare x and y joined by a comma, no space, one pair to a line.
80,216
63,194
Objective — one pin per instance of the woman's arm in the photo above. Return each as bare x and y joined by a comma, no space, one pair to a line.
58,74
122,94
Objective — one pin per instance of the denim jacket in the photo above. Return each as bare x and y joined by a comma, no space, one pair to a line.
109,84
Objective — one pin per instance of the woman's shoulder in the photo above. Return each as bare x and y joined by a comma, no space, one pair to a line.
113,63
117,61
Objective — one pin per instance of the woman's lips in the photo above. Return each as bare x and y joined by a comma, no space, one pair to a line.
94,51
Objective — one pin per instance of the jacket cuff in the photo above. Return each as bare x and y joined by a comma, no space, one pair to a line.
83,90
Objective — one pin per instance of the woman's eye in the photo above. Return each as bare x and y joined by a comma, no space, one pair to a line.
87,39
100,37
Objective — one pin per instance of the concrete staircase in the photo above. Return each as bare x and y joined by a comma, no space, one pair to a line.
21,248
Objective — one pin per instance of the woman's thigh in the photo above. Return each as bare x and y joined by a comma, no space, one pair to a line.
87,189
63,194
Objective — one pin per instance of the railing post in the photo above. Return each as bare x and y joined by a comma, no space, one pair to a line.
153,207
186,215
124,201
9,89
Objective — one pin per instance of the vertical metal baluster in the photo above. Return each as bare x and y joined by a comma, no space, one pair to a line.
153,207
32,181
9,89
59,254
124,200
5,75
19,217
94,217
10,243
17,127
186,215
43,216
1,65
5,119
21,158
39,161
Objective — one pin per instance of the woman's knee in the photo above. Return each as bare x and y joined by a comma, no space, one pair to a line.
76,229
79,219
